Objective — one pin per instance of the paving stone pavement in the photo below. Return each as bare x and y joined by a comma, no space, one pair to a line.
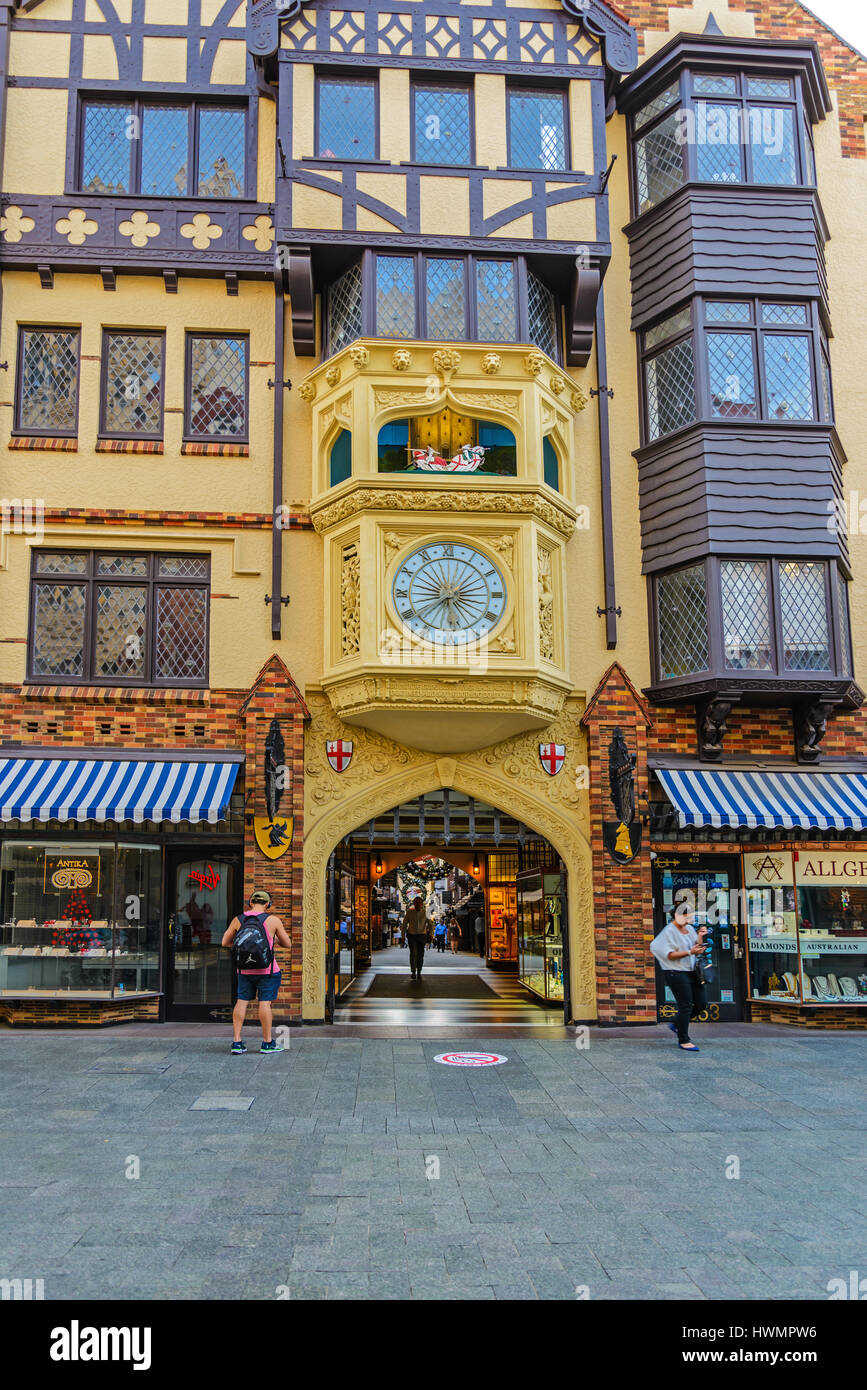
364,1169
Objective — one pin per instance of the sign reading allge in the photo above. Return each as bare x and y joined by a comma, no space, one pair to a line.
830,867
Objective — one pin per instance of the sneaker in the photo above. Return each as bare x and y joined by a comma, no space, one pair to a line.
270,1047
238,1049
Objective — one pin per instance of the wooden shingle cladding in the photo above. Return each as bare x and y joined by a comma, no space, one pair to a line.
740,489
714,241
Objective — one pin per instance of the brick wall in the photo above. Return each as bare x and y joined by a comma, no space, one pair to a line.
756,732
846,70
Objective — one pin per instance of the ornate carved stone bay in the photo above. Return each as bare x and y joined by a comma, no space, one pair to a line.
431,498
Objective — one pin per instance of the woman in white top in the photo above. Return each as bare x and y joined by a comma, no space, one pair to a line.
676,948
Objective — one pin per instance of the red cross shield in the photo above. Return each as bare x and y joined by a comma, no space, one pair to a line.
339,753
552,756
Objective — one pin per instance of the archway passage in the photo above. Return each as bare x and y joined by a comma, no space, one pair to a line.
494,894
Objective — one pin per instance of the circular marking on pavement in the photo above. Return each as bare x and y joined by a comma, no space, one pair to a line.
471,1059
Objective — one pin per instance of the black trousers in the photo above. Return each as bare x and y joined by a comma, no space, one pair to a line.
440,943
416,952
689,995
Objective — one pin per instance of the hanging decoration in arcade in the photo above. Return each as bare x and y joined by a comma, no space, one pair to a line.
622,838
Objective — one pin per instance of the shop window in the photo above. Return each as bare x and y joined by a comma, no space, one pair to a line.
132,385
682,622
346,118
217,387
537,130
79,918
340,458
119,619
163,149
47,394
441,125
551,464
447,443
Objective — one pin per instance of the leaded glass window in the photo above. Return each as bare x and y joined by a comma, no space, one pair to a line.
658,104
772,144
347,119
845,639
133,384
718,143
106,147
827,391
785,314
732,375
442,125
344,309
668,328
714,85
804,616
149,622
48,381
446,299
496,302
682,615
217,387
659,162
773,88
670,385
222,133
542,316
395,297
537,130
728,311
164,150
788,379
746,615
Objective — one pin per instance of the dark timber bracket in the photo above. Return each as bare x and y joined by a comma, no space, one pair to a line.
810,728
711,717
299,276
581,316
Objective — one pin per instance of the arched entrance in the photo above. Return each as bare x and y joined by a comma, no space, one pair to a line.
521,813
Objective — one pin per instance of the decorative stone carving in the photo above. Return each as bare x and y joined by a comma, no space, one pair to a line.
810,728
534,362
14,225
140,229
712,728
332,376
431,500
558,385
76,227
546,605
578,400
350,599
343,409
307,391
504,546
261,233
392,542
491,363
385,399
359,356
621,777
201,231
401,359
506,643
446,361
508,401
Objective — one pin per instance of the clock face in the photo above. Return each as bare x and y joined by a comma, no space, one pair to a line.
449,593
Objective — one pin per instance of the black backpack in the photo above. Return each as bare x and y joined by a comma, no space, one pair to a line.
250,949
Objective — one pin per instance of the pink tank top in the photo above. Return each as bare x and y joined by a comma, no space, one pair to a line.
274,966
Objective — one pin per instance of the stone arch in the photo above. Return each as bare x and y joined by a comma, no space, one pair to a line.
511,796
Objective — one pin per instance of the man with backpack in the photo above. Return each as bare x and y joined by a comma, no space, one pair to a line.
253,938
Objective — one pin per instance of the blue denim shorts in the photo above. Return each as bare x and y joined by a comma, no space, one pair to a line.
266,986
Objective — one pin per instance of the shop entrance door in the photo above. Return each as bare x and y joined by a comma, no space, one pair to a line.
714,881
543,936
340,936
203,893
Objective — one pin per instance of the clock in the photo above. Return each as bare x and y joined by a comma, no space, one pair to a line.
449,593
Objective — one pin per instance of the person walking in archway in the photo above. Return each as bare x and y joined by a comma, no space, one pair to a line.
454,934
416,929
440,934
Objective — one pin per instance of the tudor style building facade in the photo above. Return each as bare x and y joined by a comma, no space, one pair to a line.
269,272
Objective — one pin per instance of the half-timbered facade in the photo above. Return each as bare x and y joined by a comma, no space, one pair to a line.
429,424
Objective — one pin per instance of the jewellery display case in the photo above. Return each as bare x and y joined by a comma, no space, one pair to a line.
503,922
540,933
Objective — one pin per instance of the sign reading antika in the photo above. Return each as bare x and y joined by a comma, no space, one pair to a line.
66,872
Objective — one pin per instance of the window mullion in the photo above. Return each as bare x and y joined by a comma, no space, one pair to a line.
716,636
193,150
471,290
90,620
777,617
522,317
764,405
137,151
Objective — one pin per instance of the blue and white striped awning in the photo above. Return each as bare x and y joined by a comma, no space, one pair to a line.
811,800
128,789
